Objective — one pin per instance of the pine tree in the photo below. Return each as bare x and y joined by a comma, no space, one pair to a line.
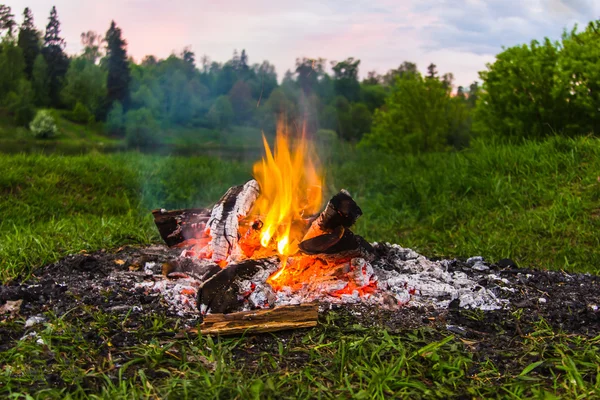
7,20
56,59
117,83
29,41
432,71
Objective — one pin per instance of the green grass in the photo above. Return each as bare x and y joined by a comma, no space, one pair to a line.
537,203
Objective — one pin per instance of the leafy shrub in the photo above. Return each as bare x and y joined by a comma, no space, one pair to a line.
80,114
43,125
541,89
141,129
420,115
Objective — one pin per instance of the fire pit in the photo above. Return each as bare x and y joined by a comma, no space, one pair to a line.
267,243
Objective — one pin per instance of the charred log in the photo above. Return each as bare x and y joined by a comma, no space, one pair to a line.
228,289
329,233
224,219
176,226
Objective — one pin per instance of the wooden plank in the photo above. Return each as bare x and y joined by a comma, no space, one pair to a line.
259,321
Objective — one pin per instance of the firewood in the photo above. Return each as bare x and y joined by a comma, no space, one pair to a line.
176,226
183,227
329,233
224,219
258,321
225,291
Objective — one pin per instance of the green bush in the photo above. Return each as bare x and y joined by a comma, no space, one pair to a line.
543,89
80,114
419,115
141,129
43,125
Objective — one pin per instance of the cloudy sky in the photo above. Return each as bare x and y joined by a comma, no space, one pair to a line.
460,36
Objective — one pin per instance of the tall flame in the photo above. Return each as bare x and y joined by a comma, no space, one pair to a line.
290,190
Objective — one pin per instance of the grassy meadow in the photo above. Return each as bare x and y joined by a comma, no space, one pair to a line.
537,203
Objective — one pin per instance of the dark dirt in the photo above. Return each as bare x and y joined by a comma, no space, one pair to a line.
80,285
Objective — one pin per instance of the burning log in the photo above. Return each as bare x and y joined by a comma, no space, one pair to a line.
329,233
268,320
181,227
224,219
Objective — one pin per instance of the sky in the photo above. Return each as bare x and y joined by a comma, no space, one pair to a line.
459,36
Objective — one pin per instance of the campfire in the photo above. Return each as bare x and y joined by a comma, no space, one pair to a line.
272,242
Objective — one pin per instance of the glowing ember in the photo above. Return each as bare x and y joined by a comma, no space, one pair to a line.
290,190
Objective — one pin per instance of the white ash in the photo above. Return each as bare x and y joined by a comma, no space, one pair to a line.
34,320
404,278
400,278
477,263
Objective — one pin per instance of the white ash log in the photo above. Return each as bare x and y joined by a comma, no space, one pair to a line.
224,219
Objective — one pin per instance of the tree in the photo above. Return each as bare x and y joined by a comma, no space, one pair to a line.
20,103
12,68
432,71
92,46
473,94
85,84
56,59
115,120
577,83
447,80
346,78
373,78
405,68
221,113
117,66
7,21
188,56
419,115
308,72
517,99
40,82
29,41
242,104
142,130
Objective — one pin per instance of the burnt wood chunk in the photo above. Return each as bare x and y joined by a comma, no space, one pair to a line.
176,226
268,320
329,233
224,219
224,292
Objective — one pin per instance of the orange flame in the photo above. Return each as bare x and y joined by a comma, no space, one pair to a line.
290,190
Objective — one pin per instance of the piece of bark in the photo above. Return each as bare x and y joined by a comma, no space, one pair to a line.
226,290
223,224
258,321
177,226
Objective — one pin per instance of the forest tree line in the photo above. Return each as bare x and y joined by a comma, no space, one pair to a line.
529,91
